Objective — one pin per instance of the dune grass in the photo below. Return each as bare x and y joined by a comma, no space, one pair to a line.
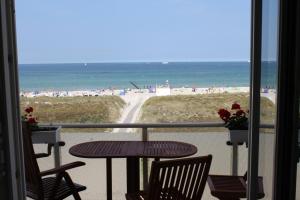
101,109
197,108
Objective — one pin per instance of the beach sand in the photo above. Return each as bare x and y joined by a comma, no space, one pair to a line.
93,174
132,92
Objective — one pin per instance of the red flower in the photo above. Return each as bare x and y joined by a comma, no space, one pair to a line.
240,113
236,118
32,120
224,114
235,106
29,109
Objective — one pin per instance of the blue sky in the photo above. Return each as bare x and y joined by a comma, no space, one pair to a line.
62,31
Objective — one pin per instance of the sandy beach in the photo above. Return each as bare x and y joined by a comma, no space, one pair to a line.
132,92
132,95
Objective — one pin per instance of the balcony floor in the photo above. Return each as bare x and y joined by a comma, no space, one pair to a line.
93,174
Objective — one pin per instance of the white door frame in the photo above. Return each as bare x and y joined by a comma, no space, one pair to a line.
9,102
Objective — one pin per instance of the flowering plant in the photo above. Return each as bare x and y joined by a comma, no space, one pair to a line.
236,119
29,118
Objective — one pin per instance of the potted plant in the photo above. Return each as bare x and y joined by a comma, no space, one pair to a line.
236,120
39,133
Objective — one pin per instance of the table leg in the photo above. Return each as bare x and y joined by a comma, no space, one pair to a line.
57,155
133,175
108,179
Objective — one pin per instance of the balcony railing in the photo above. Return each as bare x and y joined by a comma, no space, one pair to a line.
145,136
148,125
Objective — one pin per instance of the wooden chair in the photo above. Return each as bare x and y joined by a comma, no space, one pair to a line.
232,187
181,179
41,186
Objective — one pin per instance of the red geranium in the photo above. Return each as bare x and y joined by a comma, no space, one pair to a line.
29,118
235,106
224,114
236,119
32,120
29,109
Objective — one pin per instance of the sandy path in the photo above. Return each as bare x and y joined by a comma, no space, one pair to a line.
271,96
130,113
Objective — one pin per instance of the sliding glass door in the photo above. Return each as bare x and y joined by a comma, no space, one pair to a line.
263,96
298,158
297,65
275,109
268,94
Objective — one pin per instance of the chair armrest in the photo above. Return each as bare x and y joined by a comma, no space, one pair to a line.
60,143
50,145
62,168
41,155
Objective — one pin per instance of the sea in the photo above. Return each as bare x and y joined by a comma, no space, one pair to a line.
94,76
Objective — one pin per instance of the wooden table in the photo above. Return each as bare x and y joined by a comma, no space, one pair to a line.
132,151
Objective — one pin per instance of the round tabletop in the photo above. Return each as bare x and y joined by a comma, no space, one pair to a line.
125,149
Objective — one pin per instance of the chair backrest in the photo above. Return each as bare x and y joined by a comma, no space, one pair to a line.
32,171
181,179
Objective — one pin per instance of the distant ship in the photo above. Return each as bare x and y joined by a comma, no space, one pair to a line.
85,64
165,63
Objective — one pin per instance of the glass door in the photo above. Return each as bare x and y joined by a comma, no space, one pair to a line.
298,158
263,98
268,94
275,109
298,118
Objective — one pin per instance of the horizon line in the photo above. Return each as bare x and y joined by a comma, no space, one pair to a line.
100,62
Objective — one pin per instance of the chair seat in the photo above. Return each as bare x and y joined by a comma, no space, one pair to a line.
63,191
231,187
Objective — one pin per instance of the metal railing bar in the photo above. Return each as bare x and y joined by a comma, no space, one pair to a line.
147,125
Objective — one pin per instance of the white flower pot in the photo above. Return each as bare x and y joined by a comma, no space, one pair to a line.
46,136
238,136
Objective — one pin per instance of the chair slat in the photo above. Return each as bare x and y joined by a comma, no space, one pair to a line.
195,175
181,179
189,179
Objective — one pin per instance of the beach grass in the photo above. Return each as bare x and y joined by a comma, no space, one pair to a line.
100,109
197,108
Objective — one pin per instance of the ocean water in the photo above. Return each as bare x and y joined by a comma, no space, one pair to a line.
80,76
